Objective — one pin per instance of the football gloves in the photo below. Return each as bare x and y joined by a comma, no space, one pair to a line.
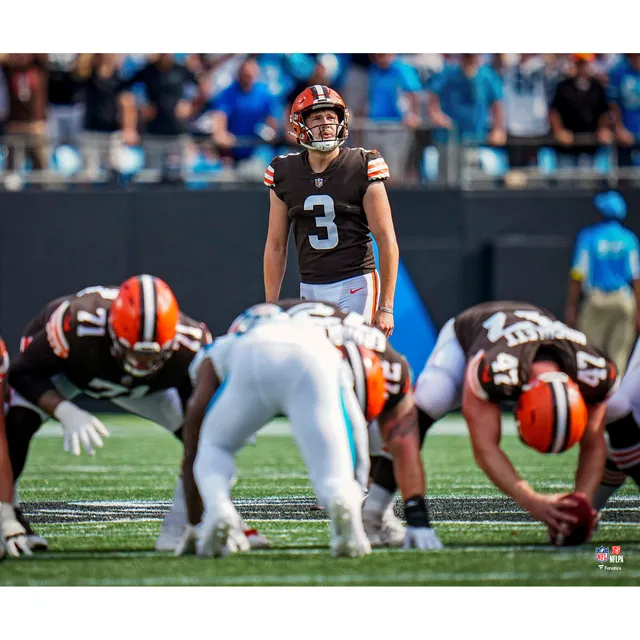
80,428
424,538
12,532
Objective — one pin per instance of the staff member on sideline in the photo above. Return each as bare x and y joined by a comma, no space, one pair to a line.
606,269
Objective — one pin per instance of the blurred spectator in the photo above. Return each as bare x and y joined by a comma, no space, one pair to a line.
356,87
66,104
26,127
525,105
579,107
603,64
394,98
244,116
100,73
606,269
4,101
624,102
174,96
467,98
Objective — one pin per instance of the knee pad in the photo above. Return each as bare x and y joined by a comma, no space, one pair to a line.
435,392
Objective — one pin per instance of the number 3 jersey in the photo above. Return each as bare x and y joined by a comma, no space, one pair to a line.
329,223
70,337
502,339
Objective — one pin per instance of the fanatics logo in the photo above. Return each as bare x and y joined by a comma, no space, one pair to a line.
319,182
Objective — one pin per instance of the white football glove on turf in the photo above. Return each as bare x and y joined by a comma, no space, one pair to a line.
12,532
80,427
422,538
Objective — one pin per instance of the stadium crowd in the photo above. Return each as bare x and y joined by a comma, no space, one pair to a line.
196,118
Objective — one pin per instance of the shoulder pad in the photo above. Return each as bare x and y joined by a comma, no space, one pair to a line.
377,168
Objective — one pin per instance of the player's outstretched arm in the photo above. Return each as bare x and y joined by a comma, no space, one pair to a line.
275,250
484,422
399,429
593,452
206,384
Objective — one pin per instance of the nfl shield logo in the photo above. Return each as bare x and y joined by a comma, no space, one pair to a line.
602,554
319,182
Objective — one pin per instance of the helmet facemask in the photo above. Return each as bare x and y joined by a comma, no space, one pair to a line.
311,136
142,359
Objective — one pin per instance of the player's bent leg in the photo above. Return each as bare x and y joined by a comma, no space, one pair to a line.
230,420
624,446
322,433
612,480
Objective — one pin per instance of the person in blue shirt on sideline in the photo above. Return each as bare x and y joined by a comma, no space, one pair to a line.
245,114
467,98
624,103
394,99
606,269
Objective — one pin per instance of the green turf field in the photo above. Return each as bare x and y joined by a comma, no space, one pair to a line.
101,516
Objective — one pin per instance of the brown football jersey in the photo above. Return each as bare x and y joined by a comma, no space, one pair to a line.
502,339
325,209
70,336
342,327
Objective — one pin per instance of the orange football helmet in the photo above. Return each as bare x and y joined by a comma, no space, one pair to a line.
551,414
318,97
142,324
368,378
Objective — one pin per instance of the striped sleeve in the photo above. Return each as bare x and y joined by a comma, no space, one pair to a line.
377,168
56,333
269,177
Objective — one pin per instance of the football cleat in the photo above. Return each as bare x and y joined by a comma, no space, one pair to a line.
347,538
218,538
384,530
36,542
256,539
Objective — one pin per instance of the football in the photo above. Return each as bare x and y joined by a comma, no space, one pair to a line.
582,530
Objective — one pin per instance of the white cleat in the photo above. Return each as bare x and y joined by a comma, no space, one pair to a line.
219,538
384,530
347,538
171,534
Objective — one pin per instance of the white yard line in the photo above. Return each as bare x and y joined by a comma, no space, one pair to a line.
409,577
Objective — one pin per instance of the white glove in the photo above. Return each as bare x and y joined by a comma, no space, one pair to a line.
12,532
79,427
422,538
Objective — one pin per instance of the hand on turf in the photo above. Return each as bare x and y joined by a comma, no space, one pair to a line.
422,538
553,511
13,533
80,427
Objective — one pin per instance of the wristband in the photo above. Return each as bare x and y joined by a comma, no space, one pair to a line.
389,311
416,512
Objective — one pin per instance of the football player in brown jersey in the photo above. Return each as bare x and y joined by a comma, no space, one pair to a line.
394,435
12,533
131,345
334,197
501,353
